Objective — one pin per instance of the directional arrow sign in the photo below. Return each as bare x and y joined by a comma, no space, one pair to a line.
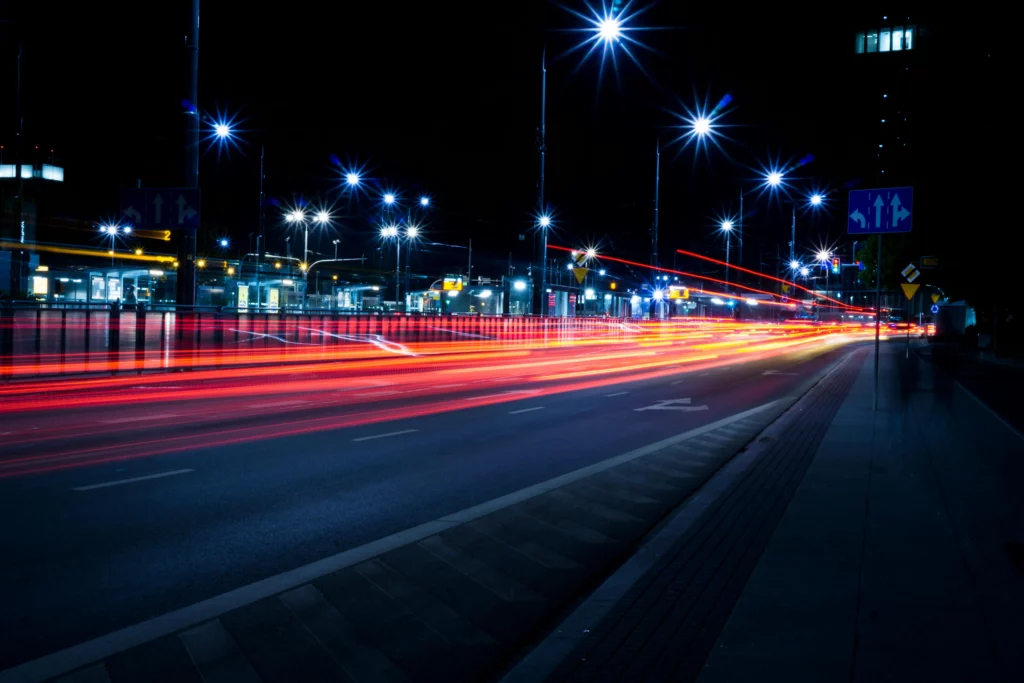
880,211
682,404
167,208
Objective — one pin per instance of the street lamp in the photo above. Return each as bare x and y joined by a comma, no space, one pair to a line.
424,201
816,199
389,198
727,229
352,179
544,221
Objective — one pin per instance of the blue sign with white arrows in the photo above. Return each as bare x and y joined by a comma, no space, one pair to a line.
166,207
881,211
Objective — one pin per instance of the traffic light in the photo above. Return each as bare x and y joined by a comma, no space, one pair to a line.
835,265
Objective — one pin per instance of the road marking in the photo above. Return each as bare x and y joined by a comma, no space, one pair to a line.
118,482
384,436
77,656
525,410
140,418
678,381
617,393
503,394
682,404
276,404
704,374
768,373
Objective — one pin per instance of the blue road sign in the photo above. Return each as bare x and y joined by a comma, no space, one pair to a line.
935,308
881,211
170,208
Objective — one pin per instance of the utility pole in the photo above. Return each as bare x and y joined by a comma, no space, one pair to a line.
469,270
740,227
657,187
259,233
541,214
19,153
187,238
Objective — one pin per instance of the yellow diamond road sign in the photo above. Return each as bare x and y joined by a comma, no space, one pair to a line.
579,257
909,290
911,272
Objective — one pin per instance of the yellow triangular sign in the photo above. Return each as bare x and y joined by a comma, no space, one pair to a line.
580,273
935,298
785,289
909,290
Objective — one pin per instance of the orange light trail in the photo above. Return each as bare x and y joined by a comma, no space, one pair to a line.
789,303
57,424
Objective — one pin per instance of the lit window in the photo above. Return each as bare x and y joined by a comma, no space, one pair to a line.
872,41
909,34
897,39
859,45
885,42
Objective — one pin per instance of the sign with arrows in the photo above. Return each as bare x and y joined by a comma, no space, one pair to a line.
881,211
167,207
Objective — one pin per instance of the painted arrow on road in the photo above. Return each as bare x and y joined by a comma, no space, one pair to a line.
682,404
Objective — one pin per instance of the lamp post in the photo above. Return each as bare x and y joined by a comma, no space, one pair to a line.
544,222
727,229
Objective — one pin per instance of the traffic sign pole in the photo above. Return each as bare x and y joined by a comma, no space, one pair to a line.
878,318
908,329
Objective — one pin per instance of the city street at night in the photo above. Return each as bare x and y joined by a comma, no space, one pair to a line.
589,341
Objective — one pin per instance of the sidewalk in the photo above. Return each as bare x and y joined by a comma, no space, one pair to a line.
890,547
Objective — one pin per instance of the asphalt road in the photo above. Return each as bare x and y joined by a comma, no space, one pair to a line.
146,511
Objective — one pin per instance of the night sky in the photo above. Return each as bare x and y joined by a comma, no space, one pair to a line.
445,99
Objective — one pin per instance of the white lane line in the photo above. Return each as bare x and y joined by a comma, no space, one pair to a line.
678,381
704,374
77,656
525,410
118,482
140,418
384,436
617,393
277,404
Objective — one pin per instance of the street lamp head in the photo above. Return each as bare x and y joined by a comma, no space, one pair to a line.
591,253
424,201
222,130
223,243
322,217
816,199
823,255
609,28
601,272
352,179
201,263
336,242
805,271
412,231
545,221
389,231
702,125
774,178
127,229
794,265
726,226
295,216
389,198
303,267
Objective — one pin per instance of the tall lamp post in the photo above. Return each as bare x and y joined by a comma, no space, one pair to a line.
727,229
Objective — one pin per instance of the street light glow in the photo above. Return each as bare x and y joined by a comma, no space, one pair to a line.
823,255
702,126
726,226
412,231
322,217
816,199
295,216
222,130
389,198
774,178
591,253
805,271
352,179
424,201
794,265
601,272
545,221
609,28
389,231
223,242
